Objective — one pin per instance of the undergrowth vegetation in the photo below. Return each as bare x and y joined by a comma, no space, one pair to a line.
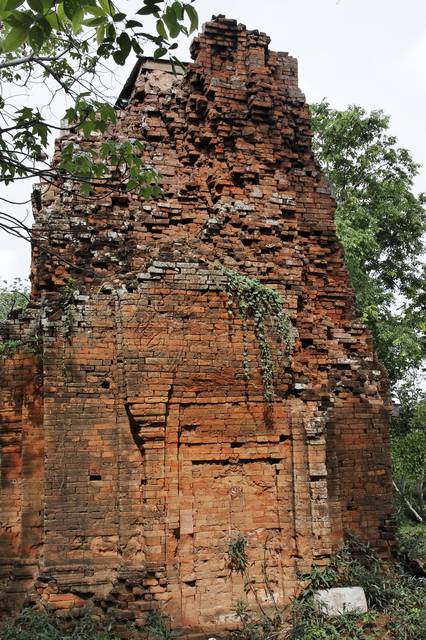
396,601
32,624
412,545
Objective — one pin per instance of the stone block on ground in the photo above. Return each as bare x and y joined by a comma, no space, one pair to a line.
340,600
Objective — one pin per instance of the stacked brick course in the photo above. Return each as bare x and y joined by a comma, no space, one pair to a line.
134,447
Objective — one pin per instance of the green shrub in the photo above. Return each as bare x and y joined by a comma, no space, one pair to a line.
158,626
258,625
407,611
397,603
33,624
355,564
412,543
409,469
309,624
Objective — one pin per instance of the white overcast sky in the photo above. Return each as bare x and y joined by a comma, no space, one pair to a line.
366,52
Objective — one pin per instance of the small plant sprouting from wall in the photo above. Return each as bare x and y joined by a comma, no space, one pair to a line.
9,348
263,306
237,553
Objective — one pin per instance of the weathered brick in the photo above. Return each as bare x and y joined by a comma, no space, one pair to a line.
133,445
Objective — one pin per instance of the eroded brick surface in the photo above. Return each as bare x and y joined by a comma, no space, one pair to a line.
147,449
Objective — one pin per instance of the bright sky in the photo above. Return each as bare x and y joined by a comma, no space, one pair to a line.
366,52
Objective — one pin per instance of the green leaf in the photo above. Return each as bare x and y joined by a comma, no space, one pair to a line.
77,20
107,112
19,19
36,5
119,57
160,52
192,15
161,30
85,189
119,17
95,11
70,8
108,7
87,127
70,114
131,24
94,22
100,33
178,10
68,149
171,22
45,26
54,21
111,33
36,37
60,12
124,43
14,39
149,10
13,4
136,47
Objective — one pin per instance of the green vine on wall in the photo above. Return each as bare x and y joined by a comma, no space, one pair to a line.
265,307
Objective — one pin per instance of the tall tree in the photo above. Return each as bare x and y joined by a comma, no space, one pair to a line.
381,223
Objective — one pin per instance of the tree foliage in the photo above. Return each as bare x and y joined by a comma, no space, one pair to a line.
381,223
68,46
409,467
13,296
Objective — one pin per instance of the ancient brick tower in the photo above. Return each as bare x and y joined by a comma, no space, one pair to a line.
140,437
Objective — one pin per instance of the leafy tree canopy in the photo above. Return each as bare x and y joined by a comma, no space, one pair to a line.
67,46
381,223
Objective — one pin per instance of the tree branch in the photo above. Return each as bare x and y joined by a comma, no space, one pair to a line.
417,516
18,61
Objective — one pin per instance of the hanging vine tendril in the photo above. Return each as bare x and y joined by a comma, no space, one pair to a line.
262,305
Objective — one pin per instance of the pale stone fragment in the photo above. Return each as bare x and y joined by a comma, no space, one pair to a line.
335,602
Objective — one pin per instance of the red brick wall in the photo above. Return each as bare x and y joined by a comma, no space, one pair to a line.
158,450
21,469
